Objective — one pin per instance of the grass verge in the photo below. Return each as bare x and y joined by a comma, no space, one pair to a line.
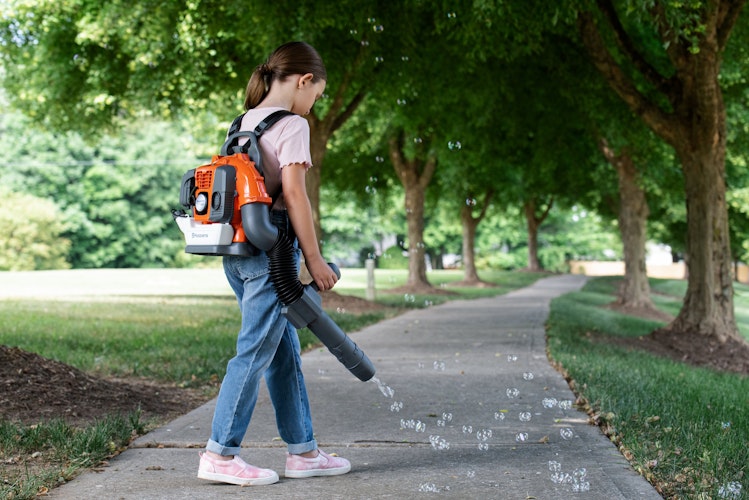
38,457
685,429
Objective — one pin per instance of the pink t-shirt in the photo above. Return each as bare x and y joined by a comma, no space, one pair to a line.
286,142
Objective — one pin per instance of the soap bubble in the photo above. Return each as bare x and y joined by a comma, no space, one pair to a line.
401,102
379,59
396,406
409,298
525,416
512,392
411,424
730,490
527,376
521,437
498,415
565,405
470,202
471,474
439,443
371,20
353,32
378,159
451,15
549,402
467,429
428,488
378,28
566,433
511,358
440,423
579,482
454,145
439,365
447,417
483,446
483,435
365,43
418,140
556,474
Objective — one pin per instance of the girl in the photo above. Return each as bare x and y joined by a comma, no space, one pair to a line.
292,78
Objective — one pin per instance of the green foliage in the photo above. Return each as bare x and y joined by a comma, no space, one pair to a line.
393,258
32,229
111,199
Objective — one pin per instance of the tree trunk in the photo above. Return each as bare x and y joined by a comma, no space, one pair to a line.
529,208
469,243
318,141
708,304
533,222
469,224
415,175
633,214
417,269
694,123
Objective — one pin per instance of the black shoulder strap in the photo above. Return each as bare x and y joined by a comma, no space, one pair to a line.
251,147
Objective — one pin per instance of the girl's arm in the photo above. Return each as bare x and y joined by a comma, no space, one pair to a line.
300,214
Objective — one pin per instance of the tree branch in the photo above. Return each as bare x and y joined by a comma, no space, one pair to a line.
426,175
545,214
624,42
396,157
728,13
341,118
659,121
487,201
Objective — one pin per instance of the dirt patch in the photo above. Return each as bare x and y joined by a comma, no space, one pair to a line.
332,301
731,356
34,389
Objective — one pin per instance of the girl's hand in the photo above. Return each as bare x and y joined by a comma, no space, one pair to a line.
324,276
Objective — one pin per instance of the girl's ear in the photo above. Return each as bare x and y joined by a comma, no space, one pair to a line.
305,80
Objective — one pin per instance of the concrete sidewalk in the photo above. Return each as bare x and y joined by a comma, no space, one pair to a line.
477,412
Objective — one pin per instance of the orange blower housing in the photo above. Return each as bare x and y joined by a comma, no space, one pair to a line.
215,194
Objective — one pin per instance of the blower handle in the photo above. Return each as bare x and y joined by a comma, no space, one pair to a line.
335,269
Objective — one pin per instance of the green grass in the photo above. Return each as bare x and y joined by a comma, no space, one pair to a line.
36,458
687,428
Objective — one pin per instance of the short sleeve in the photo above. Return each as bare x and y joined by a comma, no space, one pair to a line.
293,143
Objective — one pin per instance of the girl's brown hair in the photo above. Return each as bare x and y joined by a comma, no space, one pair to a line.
292,58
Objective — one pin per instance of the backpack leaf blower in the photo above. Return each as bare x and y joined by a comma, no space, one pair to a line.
230,215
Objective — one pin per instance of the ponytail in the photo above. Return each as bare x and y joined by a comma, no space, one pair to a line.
293,58
258,86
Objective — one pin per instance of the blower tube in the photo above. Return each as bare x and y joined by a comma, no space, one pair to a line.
302,304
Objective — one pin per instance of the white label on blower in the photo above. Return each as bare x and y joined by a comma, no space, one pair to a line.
205,234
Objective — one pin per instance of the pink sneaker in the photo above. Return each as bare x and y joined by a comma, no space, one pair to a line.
322,465
235,471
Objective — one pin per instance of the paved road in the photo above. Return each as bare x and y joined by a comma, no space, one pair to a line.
467,406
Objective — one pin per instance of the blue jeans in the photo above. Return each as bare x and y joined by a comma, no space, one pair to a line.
268,346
